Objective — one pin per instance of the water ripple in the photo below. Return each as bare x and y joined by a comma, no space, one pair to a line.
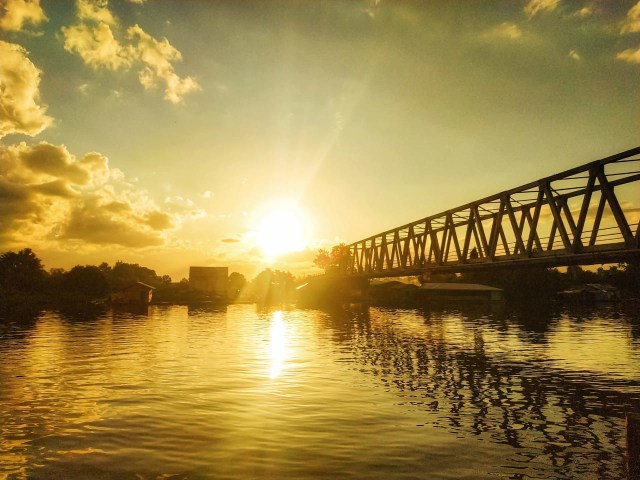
377,393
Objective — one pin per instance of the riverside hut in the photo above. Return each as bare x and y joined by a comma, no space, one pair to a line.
136,294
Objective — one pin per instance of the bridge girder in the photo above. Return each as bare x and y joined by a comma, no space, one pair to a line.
576,217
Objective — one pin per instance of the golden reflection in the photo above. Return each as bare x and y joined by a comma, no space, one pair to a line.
278,344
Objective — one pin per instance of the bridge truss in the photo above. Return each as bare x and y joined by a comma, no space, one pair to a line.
586,215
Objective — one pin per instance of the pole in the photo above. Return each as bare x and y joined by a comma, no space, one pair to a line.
633,445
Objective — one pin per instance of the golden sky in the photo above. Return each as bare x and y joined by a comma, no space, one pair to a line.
165,132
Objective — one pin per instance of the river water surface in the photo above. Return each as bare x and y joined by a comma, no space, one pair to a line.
243,392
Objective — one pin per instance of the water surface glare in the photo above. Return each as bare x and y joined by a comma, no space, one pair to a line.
242,393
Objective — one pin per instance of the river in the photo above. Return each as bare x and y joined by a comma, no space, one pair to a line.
242,392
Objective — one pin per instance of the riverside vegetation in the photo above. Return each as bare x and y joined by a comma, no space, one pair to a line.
26,285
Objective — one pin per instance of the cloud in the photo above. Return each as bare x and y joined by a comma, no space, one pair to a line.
159,220
632,22
629,55
91,224
586,11
53,161
97,46
157,57
506,30
49,195
183,207
18,12
573,54
19,93
534,7
94,40
95,11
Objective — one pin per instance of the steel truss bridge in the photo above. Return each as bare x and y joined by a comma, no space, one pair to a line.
583,216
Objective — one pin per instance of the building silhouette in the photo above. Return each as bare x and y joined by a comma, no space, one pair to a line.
211,281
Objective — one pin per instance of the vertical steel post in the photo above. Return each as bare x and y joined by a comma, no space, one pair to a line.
633,445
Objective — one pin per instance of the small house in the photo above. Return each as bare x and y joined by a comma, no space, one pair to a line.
135,294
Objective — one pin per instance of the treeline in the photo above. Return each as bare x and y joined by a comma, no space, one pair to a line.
23,275
23,278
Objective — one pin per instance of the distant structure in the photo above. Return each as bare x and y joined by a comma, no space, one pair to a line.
404,293
209,280
138,294
591,293
460,291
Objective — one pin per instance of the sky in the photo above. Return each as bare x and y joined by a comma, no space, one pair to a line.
164,132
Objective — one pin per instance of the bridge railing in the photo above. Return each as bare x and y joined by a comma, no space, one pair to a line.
585,215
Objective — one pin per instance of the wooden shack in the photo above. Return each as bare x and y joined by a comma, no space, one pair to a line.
138,294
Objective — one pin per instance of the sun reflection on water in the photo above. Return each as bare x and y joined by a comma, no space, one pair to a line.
278,344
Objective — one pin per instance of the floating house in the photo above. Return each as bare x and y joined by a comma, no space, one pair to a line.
392,292
460,291
136,294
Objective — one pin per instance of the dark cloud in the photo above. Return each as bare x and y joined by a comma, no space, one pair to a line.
55,161
46,193
158,220
91,224
55,188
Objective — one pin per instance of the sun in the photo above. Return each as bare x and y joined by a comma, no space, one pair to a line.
281,230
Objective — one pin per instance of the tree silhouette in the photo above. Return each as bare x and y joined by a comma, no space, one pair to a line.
124,274
328,260
21,272
237,282
88,281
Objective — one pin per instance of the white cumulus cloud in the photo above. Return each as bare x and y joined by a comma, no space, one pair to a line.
96,39
506,30
573,54
97,46
630,55
632,22
15,13
533,7
20,111
157,57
